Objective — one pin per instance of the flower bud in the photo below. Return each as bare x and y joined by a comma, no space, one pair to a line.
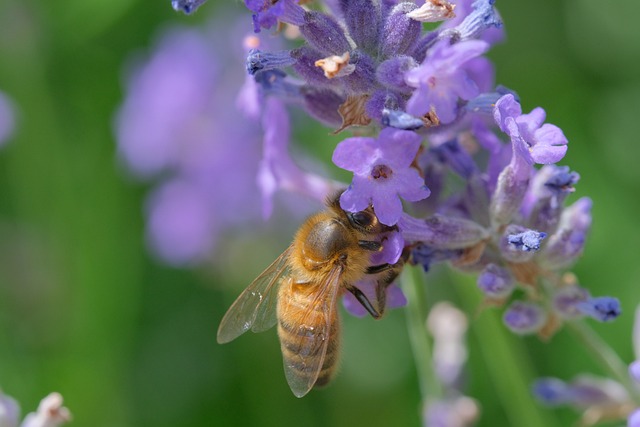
362,19
324,34
442,232
566,244
496,282
524,317
400,31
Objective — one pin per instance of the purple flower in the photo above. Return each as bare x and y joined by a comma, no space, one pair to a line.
566,244
7,118
181,224
168,99
277,169
441,80
603,309
545,143
187,6
442,231
524,317
50,413
267,13
9,411
566,299
474,18
634,371
526,241
496,282
584,391
177,120
382,173
551,391
634,419
395,298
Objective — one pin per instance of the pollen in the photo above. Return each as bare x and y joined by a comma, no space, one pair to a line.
336,66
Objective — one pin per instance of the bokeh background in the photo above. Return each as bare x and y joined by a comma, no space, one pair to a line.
87,310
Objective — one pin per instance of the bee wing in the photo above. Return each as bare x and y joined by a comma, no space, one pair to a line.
309,350
255,308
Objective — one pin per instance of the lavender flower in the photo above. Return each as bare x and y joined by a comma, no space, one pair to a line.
442,79
186,6
50,412
267,13
496,282
524,317
176,121
448,326
603,309
277,169
431,123
7,118
382,173
544,142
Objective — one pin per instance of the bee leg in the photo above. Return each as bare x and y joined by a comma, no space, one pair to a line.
362,299
375,269
392,273
370,245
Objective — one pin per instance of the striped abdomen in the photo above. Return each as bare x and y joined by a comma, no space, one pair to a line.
305,328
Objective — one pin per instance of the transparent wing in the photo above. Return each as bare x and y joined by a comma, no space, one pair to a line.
255,308
309,351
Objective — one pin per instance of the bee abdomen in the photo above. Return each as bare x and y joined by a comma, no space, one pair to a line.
303,332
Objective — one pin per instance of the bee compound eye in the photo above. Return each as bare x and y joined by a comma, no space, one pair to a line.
363,219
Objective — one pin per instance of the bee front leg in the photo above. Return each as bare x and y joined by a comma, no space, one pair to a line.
370,245
362,299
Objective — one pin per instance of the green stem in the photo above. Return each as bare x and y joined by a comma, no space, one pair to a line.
506,361
413,285
605,355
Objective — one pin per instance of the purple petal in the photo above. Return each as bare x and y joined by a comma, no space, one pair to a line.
392,246
388,207
419,104
356,154
410,185
395,297
7,118
357,197
399,147
180,226
451,57
506,107
550,134
529,123
546,154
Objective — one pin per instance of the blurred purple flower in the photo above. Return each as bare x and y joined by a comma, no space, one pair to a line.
277,168
441,80
177,120
524,317
267,13
186,6
50,412
382,173
7,118
395,297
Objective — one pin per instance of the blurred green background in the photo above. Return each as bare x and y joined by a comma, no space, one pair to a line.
86,311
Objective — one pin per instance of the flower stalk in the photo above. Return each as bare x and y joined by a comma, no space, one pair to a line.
604,355
413,285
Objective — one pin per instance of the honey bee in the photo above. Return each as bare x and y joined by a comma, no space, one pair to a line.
299,291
